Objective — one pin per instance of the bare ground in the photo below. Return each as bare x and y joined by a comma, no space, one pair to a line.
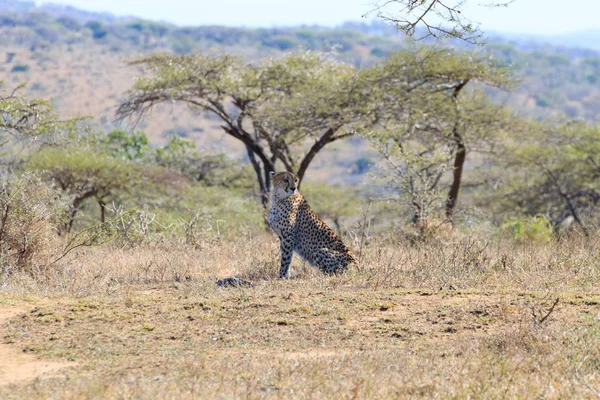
16,365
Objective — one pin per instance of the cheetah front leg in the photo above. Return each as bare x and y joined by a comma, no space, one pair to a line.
287,251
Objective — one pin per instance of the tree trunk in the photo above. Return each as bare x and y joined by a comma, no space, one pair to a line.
102,210
256,155
459,163
69,224
262,181
574,212
267,171
75,207
459,158
418,215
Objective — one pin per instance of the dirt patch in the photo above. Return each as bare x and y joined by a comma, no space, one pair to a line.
17,366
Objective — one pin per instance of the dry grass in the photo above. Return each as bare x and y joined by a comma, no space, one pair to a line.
460,318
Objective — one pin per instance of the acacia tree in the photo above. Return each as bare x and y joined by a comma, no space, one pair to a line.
283,110
438,19
551,169
24,120
83,174
430,121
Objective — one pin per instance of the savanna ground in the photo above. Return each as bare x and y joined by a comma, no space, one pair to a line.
452,317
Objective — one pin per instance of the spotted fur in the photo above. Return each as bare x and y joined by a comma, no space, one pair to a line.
301,230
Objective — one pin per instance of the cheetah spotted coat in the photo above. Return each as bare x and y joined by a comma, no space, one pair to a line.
301,230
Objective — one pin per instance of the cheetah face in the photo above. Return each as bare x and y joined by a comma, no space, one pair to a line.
285,184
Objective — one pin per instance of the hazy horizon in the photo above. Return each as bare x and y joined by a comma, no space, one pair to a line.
521,17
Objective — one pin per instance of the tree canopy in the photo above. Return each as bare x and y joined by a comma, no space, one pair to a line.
283,110
551,169
24,120
430,120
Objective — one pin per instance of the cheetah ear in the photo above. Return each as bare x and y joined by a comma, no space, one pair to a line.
272,173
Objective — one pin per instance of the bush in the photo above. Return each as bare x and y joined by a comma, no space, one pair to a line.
528,229
31,212
126,145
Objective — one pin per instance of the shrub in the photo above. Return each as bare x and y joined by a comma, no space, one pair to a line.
126,145
528,229
31,211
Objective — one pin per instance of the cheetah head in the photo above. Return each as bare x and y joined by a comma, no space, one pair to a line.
285,184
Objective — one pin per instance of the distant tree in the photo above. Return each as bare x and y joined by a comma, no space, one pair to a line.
283,110
362,165
438,19
553,170
98,29
20,68
430,121
126,145
83,174
25,121
180,155
149,27
69,23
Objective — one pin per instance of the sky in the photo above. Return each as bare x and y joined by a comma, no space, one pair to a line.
536,17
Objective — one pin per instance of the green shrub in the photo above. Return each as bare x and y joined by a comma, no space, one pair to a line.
126,145
528,229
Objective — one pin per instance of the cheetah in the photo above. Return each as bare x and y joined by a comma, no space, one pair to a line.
301,230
